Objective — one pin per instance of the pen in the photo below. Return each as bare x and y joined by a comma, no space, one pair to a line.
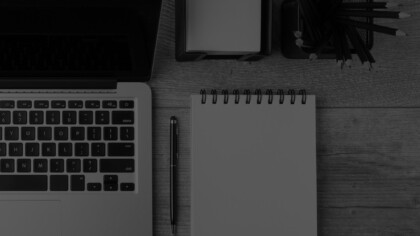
172,169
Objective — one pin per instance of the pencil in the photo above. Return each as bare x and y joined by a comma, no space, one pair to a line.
372,27
356,44
338,49
306,19
364,48
364,5
320,46
309,19
346,48
375,14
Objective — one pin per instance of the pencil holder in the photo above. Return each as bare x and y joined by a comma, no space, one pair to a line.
316,29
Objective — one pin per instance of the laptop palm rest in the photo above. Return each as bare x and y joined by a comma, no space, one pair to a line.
35,218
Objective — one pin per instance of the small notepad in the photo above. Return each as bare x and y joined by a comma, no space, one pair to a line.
223,26
253,165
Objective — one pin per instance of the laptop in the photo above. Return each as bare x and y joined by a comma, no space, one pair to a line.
76,117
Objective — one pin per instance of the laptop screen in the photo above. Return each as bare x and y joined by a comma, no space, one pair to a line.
78,38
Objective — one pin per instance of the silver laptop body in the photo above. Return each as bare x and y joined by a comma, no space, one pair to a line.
76,143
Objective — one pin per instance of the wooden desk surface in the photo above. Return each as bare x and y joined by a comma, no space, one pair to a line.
368,127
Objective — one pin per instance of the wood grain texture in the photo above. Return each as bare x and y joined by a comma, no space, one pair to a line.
394,82
368,171
368,135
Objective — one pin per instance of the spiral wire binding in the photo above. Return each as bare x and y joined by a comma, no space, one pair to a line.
237,95
203,94
281,93
269,92
292,93
225,93
258,93
248,96
302,93
214,94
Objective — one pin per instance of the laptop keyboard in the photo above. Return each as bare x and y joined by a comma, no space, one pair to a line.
67,145
64,53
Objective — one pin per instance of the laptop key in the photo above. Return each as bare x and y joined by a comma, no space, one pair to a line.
120,149
127,187
81,149
61,133
24,104
15,149
109,104
65,149
77,133
102,117
36,117
44,133
117,165
59,183
28,133
3,149
110,133
58,104
77,183
98,149
5,117
23,183
94,186
111,187
92,104
127,104
24,165
94,133
40,165
53,117
123,117
11,133
7,104
86,117
20,117
42,104
74,165
90,165
69,117
32,149
7,165
127,133
75,104
48,149
110,182
57,165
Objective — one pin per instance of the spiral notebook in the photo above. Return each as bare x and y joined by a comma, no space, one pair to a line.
253,164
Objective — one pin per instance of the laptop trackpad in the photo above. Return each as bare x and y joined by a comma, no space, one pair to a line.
35,218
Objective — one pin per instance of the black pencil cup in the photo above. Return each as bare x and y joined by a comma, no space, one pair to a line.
292,21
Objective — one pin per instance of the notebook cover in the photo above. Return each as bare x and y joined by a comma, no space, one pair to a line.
253,167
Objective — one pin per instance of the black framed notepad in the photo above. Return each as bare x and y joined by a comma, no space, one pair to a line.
253,164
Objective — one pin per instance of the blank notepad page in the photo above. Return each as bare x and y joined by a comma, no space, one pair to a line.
227,26
253,166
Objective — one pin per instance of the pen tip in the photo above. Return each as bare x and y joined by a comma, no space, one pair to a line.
313,56
403,15
400,33
392,4
173,228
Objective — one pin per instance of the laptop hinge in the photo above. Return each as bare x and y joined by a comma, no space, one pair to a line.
58,83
